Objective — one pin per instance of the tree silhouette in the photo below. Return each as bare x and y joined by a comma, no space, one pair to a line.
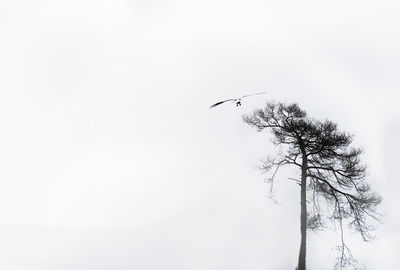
331,173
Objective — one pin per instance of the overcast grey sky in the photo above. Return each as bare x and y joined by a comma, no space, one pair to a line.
110,158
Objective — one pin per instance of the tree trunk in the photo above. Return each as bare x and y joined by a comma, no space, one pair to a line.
303,215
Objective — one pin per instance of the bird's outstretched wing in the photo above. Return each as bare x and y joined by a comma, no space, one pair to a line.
259,93
219,103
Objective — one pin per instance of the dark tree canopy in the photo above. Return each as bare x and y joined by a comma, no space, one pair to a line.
331,171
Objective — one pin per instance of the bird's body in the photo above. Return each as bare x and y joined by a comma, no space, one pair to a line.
237,101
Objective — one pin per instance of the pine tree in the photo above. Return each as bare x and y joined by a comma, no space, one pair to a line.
331,173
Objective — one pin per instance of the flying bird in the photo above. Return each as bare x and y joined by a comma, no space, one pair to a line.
237,101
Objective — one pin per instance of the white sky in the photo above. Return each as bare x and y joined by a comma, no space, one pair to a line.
110,158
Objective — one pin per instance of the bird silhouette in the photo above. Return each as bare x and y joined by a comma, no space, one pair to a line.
237,101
